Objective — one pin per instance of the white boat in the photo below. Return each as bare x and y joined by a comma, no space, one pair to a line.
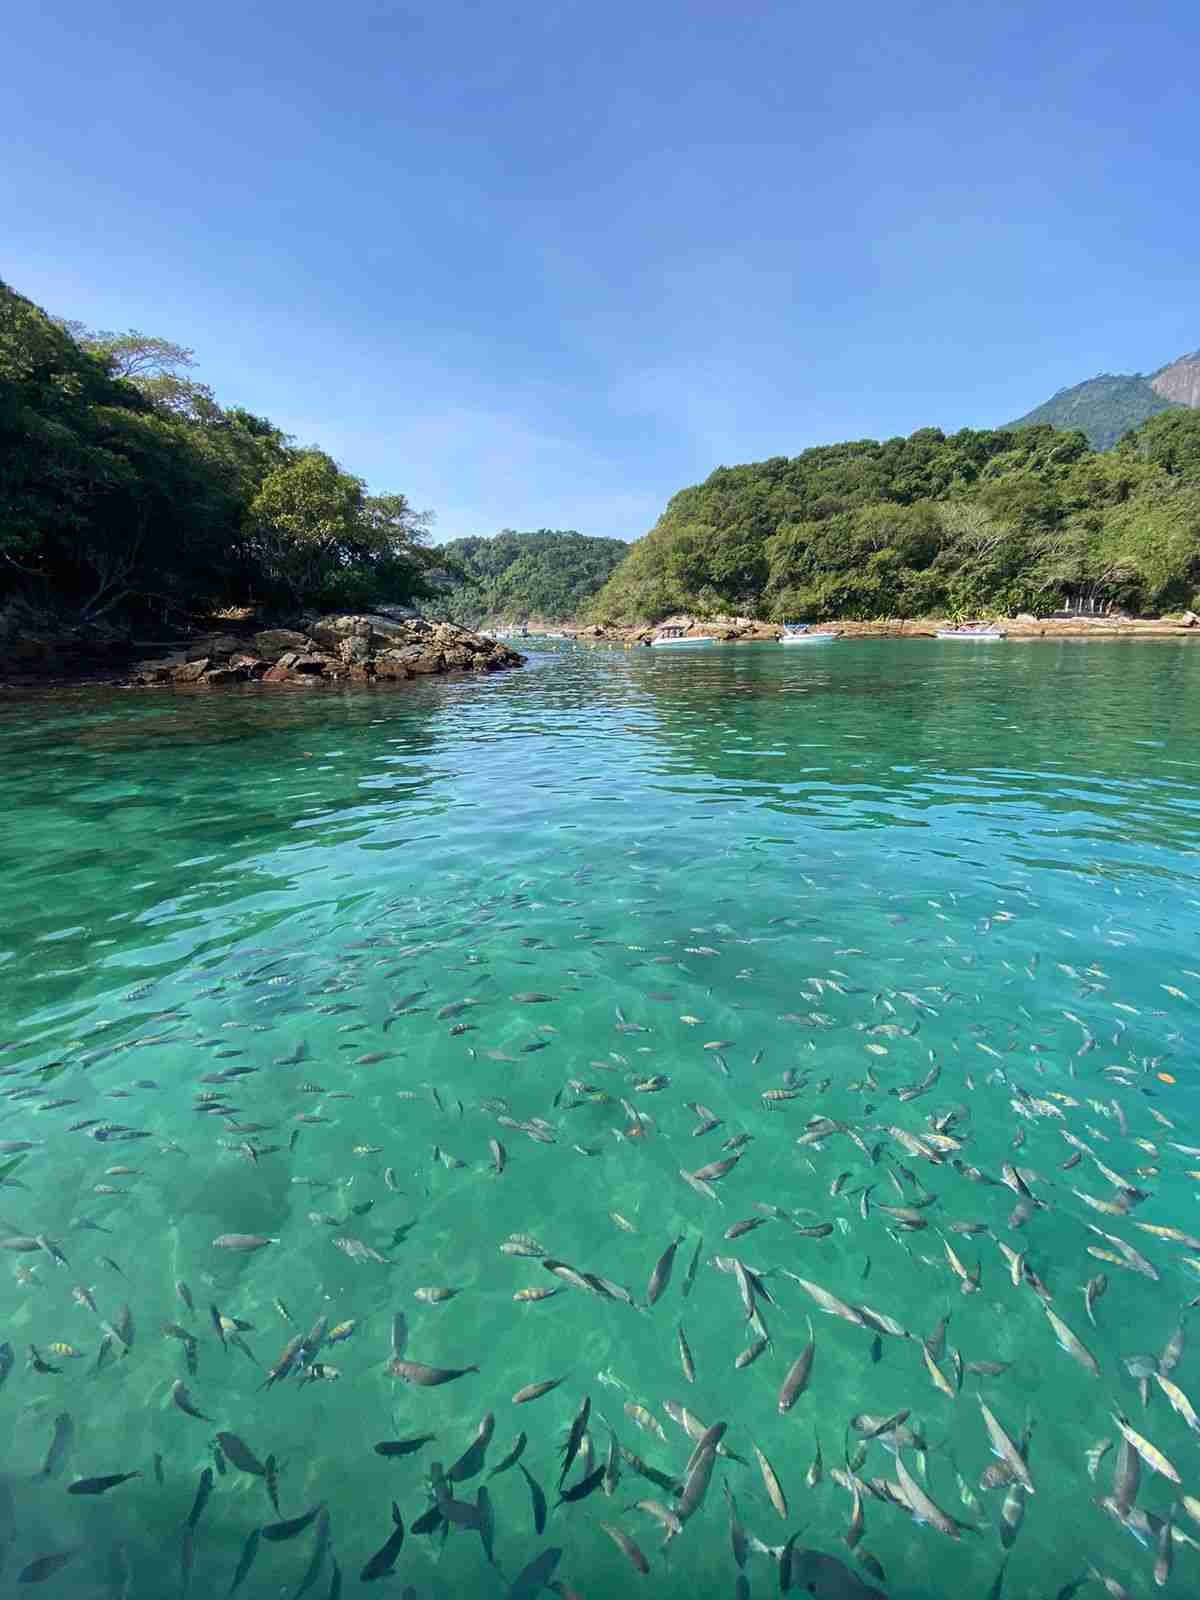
984,631
675,637
801,633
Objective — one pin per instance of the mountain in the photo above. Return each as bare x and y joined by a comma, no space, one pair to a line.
1106,407
514,577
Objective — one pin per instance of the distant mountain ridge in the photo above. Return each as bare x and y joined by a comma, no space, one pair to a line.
1106,407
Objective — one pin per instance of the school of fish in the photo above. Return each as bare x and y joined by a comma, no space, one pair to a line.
747,1213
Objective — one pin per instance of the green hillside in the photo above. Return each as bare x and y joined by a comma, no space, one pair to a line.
993,521
548,574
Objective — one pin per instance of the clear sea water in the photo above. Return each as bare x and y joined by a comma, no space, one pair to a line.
991,848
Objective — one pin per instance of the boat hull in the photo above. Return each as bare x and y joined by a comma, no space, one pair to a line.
678,644
809,638
972,638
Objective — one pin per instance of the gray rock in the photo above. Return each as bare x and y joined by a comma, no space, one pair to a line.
275,642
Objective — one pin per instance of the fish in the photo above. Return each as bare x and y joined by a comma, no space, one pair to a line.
472,1459
536,1574
580,1490
1005,1449
384,1560
1178,1400
100,1485
1150,1454
1092,1290
661,1275
826,1578
690,1275
46,1566
537,1498
279,1531
534,1391
245,1560
240,1453
417,1372
60,1445
796,1381
181,1395
771,1482
685,1354
1068,1341
924,1509
627,1546
827,1302
404,1447
203,1491
242,1241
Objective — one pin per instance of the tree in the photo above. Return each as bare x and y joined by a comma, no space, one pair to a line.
318,538
306,517
156,367
393,524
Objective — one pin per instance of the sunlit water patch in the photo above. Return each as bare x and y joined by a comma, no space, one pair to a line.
872,977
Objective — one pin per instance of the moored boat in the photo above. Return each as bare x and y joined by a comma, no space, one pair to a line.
676,637
803,633
984,631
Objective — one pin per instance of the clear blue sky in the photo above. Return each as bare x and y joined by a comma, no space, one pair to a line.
544,264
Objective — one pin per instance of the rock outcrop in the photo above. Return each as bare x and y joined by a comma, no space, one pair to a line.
360,649
1180,381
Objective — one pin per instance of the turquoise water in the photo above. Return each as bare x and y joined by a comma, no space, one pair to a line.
988,855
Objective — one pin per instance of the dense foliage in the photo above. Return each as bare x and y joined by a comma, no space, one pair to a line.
125,488
549,574
973,523
1103,409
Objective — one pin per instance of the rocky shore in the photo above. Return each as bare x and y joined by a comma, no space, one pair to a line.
357,649
745,630
380,647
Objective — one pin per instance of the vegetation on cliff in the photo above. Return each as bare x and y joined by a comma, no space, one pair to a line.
976,522
126,489
550,574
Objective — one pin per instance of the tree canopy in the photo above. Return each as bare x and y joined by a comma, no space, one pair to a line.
126,487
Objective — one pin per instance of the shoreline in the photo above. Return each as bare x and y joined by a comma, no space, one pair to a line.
417,648
744,631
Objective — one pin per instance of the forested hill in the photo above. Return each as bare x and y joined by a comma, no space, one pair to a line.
1106,407
989,522
549,574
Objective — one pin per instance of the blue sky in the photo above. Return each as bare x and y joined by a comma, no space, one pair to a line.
542,265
